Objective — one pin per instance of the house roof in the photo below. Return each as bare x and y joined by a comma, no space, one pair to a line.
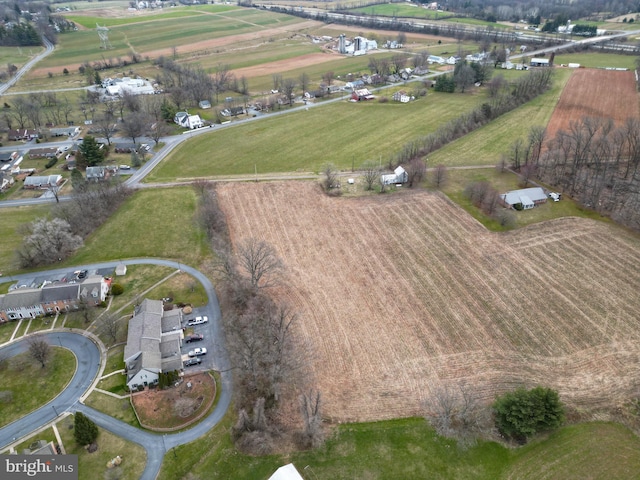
286,472
21,297
58,291
43,151
534,194
37,181
95,172
171,321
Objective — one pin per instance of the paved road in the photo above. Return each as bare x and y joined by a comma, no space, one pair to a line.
88,352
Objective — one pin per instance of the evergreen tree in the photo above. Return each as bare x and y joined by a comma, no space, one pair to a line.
85,431
89,153
523,413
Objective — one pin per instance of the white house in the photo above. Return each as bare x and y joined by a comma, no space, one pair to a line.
188,121
133,86
399,175
153,344
528,197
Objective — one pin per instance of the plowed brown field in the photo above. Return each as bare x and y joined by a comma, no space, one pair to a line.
597,93
400,294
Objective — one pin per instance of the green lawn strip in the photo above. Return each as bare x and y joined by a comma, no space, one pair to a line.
183,288
152,223
119,408
138,279
29,444
587,450
6,330
115,360
596,60
41,324
43,383
12,219
22,328
400,10
93,465
485,145
115,383
343,133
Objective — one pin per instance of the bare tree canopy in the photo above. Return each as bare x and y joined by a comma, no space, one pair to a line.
310,408
47,241
260,262
39,350
370,174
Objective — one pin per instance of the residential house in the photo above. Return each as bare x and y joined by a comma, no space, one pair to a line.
42,182
527,197
64,132
398,176
96,174
188,121
53,297
132,86
233,111
354,84
45,152
361,94
23,134
401,96
153,344
6,181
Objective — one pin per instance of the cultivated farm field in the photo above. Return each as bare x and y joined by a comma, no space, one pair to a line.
401,294
595,93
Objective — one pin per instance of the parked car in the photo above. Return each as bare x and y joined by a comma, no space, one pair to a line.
125,167
198,320
196,352
196,337
193,361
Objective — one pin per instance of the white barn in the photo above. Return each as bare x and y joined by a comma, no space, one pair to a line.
399,175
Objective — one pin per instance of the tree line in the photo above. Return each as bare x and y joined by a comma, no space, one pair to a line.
593,161
266,362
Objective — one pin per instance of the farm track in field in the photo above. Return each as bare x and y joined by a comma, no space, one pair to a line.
595,93
399,294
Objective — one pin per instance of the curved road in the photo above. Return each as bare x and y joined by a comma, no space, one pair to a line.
27,66
88,353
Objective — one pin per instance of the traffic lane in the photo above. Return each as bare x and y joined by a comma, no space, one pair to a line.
88,363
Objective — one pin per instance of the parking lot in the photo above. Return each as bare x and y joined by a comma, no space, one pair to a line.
204,329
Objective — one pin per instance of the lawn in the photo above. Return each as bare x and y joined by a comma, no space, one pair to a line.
344,133
138,279
93,465
596,60
6,330
457,180
12,219
47,435
152,223
409,448
119,408
114,359
183,288
43,383
485,145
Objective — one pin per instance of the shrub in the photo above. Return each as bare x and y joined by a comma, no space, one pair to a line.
117,289
51,162
523,413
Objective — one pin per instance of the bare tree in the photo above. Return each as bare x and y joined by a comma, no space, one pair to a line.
260,261
304,82
111,326
276,79
328,78
330,180
55,191
106,126
370,175
158,130
288,87
47,241
221,79
464,76
134,125
439,176
39,350
416,171
20,111
310,408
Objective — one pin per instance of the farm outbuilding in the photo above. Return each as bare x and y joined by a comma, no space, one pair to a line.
540,62
528,197
399,175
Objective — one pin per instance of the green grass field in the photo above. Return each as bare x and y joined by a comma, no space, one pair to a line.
401,10
162,31
153,223
344,134
485,145
12,219
409,448
42,386
596,60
